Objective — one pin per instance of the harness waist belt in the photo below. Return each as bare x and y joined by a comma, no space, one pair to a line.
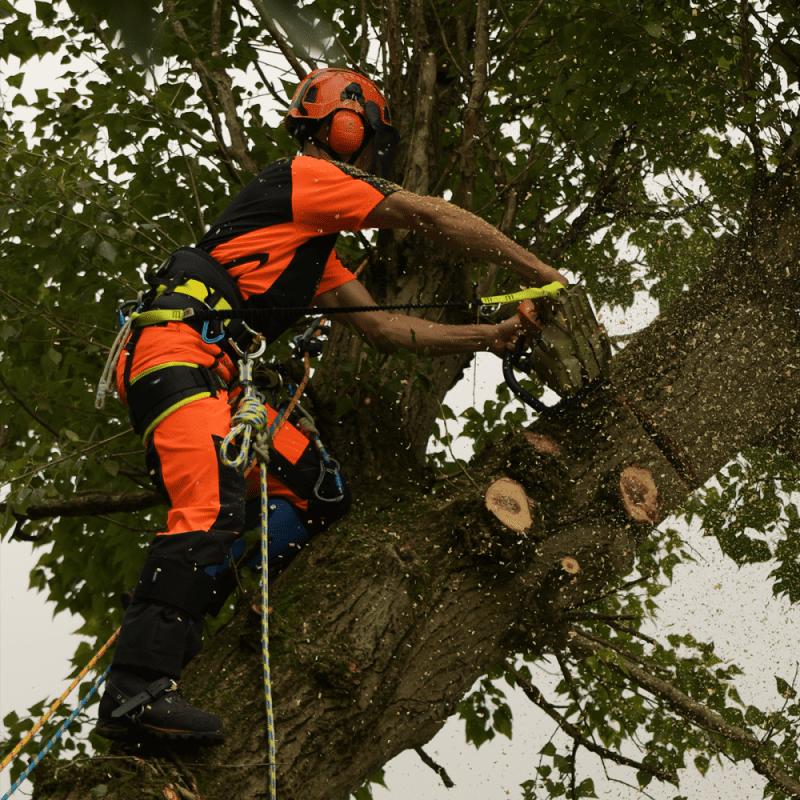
188,263
192,279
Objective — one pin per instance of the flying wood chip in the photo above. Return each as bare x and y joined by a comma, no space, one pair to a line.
507,500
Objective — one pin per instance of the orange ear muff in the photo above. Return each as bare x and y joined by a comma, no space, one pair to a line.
347,132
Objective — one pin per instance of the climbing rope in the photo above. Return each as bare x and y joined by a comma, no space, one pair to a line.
250,424
125,325
49,746
15,752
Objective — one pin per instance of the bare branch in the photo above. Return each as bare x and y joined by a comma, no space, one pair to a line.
417,176
477,95
89,505
437,768
216,14
283,45
362,56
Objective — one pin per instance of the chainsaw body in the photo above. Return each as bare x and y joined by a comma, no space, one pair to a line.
563,344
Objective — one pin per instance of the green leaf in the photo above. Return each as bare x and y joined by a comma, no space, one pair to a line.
107,251
655,29
784,689
701,762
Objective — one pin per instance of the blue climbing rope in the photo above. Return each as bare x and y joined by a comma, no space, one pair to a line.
49,746
250,424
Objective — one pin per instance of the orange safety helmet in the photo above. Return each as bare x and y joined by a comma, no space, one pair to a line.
359,112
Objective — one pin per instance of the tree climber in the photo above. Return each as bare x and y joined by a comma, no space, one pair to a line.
271,249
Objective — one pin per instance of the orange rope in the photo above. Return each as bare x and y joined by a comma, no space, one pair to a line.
15,752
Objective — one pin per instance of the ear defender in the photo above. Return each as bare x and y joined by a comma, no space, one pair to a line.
346,133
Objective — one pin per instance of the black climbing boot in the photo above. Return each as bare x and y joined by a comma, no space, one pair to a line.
132,708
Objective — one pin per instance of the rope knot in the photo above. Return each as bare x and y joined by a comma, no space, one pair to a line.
250,418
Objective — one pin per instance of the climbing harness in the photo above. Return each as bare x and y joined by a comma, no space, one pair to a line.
189,281
49,746
569,350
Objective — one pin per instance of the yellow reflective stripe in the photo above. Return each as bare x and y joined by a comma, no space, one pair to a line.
162,366
193,288
200,292
551,290
165,414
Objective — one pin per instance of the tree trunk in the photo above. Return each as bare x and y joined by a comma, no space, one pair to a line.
384,623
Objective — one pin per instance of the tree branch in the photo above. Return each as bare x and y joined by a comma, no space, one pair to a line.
536,697
223,84
17,399
466,188
417,174
748,84
458,66
605,643
90,505
509,43
437,768
283,45
683,705
613,621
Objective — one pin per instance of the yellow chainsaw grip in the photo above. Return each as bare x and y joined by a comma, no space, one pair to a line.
550,290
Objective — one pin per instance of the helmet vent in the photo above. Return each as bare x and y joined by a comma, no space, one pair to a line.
353,92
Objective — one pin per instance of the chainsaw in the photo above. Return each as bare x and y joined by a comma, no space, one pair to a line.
564,345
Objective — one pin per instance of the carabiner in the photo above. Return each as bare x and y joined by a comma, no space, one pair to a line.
489,310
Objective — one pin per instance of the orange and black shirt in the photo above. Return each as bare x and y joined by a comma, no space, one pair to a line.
277,236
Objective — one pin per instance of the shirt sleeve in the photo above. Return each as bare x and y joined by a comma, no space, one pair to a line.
336,274
329,197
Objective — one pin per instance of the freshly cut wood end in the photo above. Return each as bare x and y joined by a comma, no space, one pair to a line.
507,500
570,565
639,494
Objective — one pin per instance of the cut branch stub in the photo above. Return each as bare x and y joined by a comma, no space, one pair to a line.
570,565
507,500
639,493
